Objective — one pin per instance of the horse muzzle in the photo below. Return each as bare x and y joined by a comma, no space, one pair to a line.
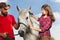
21,33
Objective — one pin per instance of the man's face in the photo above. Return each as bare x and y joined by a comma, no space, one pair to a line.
4,11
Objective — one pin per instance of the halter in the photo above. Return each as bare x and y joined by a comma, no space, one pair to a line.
24,25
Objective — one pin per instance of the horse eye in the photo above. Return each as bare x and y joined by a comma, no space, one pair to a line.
26,17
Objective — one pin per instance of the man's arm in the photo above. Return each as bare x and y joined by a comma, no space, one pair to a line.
14,24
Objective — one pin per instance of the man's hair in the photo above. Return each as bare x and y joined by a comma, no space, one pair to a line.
3,4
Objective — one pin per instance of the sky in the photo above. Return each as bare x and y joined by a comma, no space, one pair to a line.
36,9
35,5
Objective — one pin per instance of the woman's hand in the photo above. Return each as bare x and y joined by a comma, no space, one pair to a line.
37,29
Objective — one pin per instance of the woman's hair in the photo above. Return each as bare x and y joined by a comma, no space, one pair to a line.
49,10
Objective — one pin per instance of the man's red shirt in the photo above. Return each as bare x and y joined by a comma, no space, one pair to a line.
6,25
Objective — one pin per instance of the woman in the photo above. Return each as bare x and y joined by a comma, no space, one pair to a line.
45,21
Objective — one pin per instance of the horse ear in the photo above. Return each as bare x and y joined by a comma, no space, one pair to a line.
17,8
30,8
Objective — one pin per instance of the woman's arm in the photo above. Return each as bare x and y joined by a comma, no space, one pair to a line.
37,29
33,28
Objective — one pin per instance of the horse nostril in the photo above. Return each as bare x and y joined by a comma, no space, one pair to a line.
21,33
18,25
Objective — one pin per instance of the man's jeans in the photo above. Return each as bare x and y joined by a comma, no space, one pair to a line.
9,39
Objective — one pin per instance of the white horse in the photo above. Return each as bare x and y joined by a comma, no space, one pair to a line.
25,31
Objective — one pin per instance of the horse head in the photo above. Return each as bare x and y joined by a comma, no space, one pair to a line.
23,19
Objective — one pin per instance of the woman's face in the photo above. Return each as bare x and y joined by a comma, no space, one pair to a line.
44,12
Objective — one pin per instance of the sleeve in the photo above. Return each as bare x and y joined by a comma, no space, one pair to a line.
38,19
47,25
13,20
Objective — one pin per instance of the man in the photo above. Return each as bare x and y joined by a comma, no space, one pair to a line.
7,22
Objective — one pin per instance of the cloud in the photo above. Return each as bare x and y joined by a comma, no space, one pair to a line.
55,30
55,1
38,15
57,17
3,0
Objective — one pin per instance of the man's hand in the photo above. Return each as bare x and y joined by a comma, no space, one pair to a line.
16,26
4,35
